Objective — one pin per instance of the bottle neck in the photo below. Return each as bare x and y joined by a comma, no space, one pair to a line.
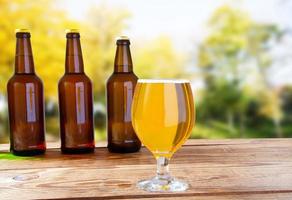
123,59
74,60
23,56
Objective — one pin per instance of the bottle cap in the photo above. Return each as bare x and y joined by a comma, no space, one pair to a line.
72,30
123,40
22,33
72,33
21,30
123,37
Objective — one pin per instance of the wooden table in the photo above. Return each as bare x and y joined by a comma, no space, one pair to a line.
216,169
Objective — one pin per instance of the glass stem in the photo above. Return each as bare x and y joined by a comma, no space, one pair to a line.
162,172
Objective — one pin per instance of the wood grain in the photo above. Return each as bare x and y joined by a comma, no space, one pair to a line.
216,169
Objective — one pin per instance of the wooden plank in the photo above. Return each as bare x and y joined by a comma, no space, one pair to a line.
50,145
247,152
93,182
274,196
281,196
231,169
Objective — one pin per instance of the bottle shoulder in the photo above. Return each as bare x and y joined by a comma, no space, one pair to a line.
122,77
73,78
24,78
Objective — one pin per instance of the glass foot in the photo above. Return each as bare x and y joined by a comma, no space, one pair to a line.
162,185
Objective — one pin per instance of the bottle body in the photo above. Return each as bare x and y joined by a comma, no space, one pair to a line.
120,90
75,101
26,115
121,135
76,114
25,102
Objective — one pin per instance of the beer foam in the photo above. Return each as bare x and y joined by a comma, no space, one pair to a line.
163,81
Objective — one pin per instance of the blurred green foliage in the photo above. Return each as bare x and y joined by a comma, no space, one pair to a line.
234,60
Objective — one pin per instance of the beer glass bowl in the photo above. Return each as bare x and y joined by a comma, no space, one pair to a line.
163,116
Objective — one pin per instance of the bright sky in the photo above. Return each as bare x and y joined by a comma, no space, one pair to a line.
184,21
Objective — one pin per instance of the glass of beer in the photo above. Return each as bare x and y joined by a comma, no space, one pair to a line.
163,117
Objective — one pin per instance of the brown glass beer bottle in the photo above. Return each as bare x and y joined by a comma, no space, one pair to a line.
120,89
25,102
75,101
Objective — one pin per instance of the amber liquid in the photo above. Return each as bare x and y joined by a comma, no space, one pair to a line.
25,103
163,115
75,102
120,90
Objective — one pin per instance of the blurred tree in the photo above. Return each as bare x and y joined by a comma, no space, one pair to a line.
220,57
271,107
286,97
216,99
46,23
234,42
261,39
